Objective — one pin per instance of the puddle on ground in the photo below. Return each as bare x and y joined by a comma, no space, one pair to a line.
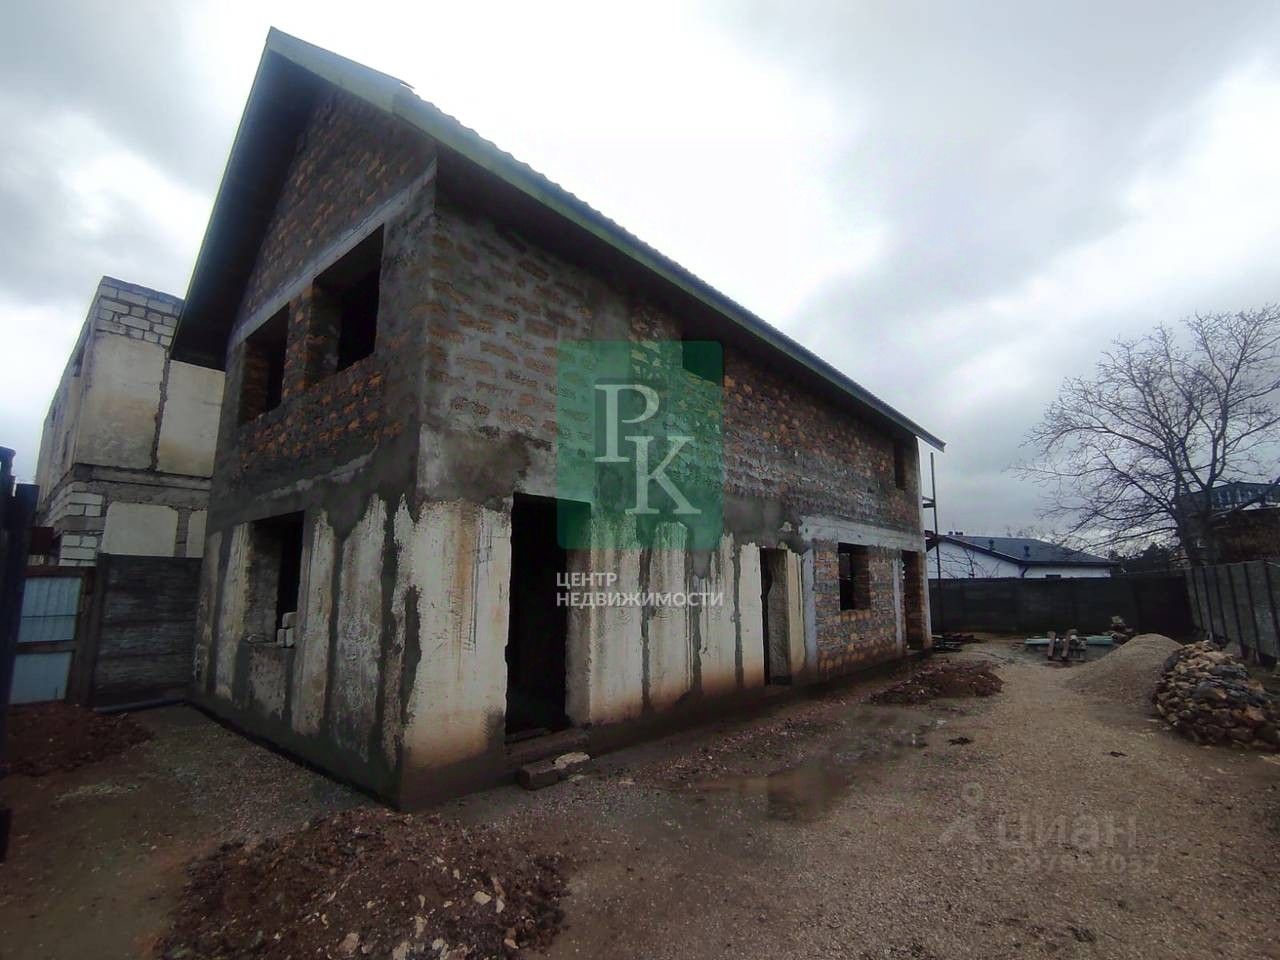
807,790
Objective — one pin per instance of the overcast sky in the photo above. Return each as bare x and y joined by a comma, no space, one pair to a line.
956,204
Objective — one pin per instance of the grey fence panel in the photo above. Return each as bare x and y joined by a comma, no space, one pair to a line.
143,625
49,607
1264,608
1156,603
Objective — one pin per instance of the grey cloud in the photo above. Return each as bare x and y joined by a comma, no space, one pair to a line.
995,137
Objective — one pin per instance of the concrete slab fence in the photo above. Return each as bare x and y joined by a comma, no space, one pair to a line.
1151,603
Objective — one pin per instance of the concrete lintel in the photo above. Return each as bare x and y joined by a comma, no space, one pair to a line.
835,529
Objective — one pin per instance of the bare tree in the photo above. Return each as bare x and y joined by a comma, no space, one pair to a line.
1133,454
967,564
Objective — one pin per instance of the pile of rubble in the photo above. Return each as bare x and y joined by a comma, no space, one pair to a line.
370,883
49,737
948,678
1207,695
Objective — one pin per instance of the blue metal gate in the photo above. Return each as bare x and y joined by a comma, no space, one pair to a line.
51,606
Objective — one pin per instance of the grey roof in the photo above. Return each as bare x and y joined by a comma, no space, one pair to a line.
1029,551
277,107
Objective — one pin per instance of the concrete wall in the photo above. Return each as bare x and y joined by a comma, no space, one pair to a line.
128,429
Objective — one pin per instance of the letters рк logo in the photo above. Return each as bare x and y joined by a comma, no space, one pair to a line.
643,442
639,443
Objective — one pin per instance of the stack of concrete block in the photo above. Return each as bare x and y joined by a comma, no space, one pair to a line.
288,623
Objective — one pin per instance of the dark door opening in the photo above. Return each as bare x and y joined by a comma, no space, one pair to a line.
773,604
913,598
538,626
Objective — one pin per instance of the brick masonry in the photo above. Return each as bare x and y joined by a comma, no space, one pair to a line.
136,312
350,160
501,306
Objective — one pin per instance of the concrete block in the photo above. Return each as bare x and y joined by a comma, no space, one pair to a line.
571,763
140,529
281,635
189,427
196,521
535,776
289,619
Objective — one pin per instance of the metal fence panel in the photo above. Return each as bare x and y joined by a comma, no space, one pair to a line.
49,607
40,676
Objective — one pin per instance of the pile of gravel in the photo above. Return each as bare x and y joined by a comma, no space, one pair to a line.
1208,695
1128,674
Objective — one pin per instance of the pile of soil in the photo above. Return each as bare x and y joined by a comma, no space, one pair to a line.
949,678
46,737
1126,675
1207,695
369,883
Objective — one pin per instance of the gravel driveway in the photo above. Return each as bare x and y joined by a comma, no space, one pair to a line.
1033,823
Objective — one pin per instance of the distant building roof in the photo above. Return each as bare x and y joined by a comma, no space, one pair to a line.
1026,550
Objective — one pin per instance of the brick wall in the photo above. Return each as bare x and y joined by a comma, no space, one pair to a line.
136,312
350,160
852,639
500,305
787,444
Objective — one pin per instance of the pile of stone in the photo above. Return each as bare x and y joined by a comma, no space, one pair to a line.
1208,695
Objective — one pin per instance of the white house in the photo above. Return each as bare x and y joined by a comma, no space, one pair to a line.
968,557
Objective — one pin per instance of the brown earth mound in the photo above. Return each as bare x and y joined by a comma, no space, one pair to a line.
44,737
1126,675
950,678
369,883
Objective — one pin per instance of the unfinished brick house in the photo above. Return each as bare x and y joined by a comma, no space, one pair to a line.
388,293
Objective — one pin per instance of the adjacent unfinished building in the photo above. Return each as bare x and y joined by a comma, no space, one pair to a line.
388,294
127,446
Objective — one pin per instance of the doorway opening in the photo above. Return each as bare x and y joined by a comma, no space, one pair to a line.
538,626
773,603
913,598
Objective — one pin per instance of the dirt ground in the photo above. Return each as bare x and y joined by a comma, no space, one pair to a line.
1032,823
